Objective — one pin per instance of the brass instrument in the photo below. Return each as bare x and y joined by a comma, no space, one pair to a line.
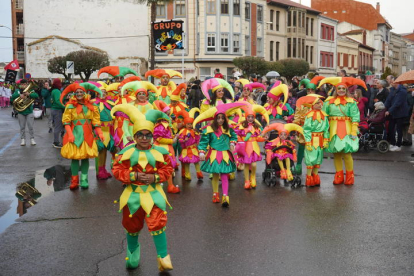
21,104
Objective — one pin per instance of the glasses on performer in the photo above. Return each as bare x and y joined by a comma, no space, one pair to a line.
79,92
143,136
341,88
141,94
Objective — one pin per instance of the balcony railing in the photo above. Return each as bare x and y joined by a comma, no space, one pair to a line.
20,29
20,55
19,4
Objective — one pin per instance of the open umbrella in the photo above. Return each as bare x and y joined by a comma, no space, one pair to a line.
272,74
407,77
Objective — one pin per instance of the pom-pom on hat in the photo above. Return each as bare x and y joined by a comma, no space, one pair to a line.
117,71
161,106
175,95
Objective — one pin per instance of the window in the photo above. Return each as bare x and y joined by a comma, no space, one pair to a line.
247,45
312,26
307,25
322,31
294,18
303,20
307,53
259,47
299,19
236,43
224,6
272,13
259,13
326,60
211,6
236,7
289,21
211,42
179,7
160,12
303,48
277,50
205,72
277,20
271,50
289,46
224,43
294,47
299,47
311,54
247,10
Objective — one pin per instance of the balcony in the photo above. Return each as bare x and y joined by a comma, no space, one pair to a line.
363,69
20,55
20,29
19,4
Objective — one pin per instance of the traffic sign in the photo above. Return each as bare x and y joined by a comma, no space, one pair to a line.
70,67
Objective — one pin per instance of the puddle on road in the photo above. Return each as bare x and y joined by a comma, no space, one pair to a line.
29,193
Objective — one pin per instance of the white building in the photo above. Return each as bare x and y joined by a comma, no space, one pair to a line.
327,46
55,28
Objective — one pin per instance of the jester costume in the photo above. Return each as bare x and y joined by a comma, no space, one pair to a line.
139,201
117,72
134,87
164,91
79,120
279,110
210,87
344,119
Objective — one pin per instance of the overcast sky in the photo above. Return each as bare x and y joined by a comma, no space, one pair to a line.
397,12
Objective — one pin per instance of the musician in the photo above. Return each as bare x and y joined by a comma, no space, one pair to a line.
25,116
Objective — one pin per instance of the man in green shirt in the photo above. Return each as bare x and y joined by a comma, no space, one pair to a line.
46,94
25,116
57,112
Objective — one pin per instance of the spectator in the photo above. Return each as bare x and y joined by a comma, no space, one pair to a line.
378,116
231,81
397,110
382,92
57,111
196,96
46,95
407,137
236,74
217,74
342,73
362,102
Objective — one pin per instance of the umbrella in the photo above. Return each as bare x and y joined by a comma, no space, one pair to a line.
407,77
272,74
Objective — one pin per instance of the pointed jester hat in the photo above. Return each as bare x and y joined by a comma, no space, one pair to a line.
161,106
279,127
175,95
134,87
158,73
255,85
212,112
316,79
304,82
213,84
277,91
117,71
308,100
243,82
347,81
86,87
253,109
139,120
189,116
112,89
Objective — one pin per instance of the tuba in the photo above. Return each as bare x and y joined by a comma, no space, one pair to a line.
20,104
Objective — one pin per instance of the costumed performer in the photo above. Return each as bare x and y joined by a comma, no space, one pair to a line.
282,148
166,86
118,73
344,119
316,133
213,90
248,150
142,167
275,107
216,146
189,138
140,91
80,117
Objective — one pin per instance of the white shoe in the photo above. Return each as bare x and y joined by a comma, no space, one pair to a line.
395,148
32,142
23,143
391,148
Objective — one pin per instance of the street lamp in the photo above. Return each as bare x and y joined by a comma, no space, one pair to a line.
2,26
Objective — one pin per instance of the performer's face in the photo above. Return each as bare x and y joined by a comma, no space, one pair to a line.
189,126
310,91
118,79
79,94
165,79
220,119
270,100
246,92
318,105
341,90
283,135
143,138
250,119
104,93
142,97
174,103
220,93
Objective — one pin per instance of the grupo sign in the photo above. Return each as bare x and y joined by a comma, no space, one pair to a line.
168,35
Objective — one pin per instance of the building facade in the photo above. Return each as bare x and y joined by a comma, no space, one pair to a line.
327,46
85,25
17,16
347,55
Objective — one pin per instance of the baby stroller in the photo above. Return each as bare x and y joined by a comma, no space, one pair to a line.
38,109
375,137
272,170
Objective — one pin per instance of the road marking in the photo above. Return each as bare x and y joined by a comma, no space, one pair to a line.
9,144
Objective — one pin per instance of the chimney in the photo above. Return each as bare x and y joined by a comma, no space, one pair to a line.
378,7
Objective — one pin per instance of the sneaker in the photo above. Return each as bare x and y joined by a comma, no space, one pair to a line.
57,145
32,142
391,148
23,143
395,148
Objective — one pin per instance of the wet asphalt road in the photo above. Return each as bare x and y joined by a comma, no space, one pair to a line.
365,229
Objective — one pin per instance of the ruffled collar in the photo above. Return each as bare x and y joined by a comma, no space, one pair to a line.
317,115
340,100
81,107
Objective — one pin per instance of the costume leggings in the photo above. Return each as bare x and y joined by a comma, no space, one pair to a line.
224,182
347,157
74,166
247,169
187,168
300,154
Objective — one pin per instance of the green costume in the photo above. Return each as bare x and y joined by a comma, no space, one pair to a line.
316,132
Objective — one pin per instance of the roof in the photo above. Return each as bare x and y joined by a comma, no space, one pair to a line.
359,43
288,3
409,36
357,13
353,32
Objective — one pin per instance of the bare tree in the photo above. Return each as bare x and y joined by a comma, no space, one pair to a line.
87,62
57,65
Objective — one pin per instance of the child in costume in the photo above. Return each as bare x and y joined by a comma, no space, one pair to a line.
163,137
189,139
105,105
344,119
282,148
316,133
247,94
141,90
248,150
214,91
166,86
81,116
142,167
275,107
216,146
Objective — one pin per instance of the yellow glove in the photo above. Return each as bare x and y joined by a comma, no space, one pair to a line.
354,129
309,147
325,144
